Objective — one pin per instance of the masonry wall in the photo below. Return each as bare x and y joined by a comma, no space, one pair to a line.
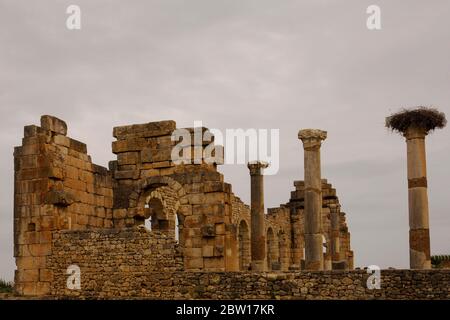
56,187
395,284
107,256
200,199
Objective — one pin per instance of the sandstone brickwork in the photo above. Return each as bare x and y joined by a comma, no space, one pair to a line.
68,211
56,187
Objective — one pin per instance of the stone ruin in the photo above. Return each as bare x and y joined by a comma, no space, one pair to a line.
70,211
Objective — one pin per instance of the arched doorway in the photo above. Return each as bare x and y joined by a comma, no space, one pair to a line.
244,246
159,212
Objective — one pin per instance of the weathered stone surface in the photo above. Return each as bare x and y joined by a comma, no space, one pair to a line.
69,210
54,124
59,198
152,129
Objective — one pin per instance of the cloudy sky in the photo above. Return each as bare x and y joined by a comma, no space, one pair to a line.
243,64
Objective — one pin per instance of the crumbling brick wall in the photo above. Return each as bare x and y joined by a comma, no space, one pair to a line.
342,260
56,187
201,199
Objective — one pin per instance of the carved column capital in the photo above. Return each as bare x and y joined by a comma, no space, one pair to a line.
312,138
256,167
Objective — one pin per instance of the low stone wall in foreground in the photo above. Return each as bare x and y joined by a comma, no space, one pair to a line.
395,284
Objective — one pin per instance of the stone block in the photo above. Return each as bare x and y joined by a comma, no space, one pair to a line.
208,231
214,186
42,288
78,146
208,251
134,144
39,250
196,263
214,197
71,172
214,263
61,140
217,209
167,171
32,131
219,250
75,184
45,275
150,173
45,237
119,213
28,288
54,124
30,275
129,174
156,155
128,158
185,210
220,229
152,129
59,198
196,198
30,262
54,173
162,164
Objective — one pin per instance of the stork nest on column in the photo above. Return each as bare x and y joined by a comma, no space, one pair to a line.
424,118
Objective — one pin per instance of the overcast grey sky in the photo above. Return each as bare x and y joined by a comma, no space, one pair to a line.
243,64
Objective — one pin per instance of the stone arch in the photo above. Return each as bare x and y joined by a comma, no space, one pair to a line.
165,192
272,249
244,246
157,181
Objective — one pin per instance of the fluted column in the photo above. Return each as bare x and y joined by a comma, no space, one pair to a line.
312,140
419,232
258,232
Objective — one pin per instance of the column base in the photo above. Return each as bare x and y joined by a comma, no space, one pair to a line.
313,251
258,265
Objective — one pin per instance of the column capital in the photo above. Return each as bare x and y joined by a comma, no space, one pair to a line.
312,137
415,133
256,167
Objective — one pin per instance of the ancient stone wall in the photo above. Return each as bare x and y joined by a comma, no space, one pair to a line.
192,193
335,256
56,187
105,256
395,284
279,238
241,219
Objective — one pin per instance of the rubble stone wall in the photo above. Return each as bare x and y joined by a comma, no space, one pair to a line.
107,256
395,284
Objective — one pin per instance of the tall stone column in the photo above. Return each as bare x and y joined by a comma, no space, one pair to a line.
258,230
312,140
415,124
334,217
419,229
